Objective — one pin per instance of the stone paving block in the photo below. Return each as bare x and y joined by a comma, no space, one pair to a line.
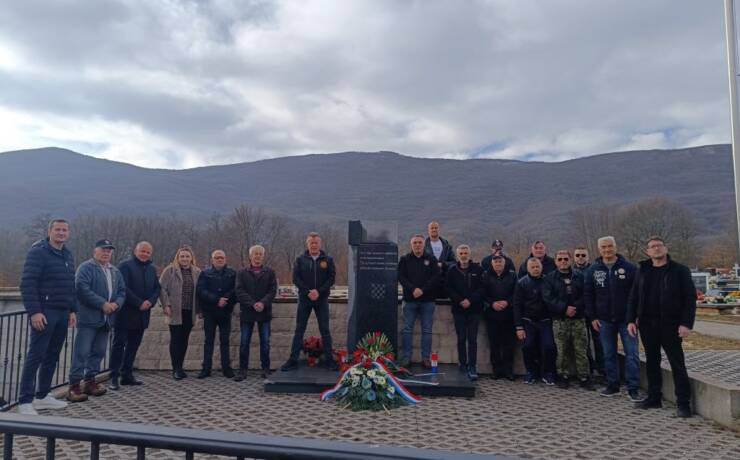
532,421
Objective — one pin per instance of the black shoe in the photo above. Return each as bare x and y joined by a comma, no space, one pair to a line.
228,373
290,365
179,374
113,385
563,383
649,403
203,374
332,365
240,375
511,377
683,412
586,384
131,380
635,396
265,373
472,373
610,391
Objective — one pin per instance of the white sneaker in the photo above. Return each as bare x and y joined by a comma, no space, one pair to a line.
49,402
27,409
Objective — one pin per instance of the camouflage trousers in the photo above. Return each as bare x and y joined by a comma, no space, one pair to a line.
571,339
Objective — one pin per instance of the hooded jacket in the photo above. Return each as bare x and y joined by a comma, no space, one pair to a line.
606,291
48,279
677,294
316,274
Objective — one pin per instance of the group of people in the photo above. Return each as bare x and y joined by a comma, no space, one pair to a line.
554,306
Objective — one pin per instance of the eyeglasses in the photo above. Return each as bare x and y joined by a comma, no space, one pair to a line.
561,259
579,255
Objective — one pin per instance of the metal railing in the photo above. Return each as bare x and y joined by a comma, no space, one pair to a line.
191,441
15,333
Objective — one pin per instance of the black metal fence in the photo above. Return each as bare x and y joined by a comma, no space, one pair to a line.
15,333
190,441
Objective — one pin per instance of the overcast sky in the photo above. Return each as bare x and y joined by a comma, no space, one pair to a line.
190,83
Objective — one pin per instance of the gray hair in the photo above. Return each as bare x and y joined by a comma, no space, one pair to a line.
256,248
143,243
606,238
461,247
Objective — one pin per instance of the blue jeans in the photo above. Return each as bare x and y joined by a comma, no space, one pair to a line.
263,328
411,311
90,346
305,306
608,336
43,355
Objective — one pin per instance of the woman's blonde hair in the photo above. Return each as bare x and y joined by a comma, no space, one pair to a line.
184,248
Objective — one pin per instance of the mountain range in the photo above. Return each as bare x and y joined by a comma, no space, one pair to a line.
462,194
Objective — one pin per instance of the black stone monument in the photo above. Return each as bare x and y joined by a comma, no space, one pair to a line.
373,284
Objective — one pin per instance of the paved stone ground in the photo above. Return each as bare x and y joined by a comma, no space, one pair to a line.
505,418
717,329
719,365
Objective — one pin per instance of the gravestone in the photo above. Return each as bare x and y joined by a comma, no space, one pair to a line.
373,282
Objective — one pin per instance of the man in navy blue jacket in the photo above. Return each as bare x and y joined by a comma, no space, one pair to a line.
142,293
606,288
48,291
216,291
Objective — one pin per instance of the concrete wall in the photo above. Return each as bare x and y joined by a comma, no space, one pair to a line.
154,353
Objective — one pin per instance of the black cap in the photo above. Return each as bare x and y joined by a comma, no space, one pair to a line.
497,244
104,244
497,255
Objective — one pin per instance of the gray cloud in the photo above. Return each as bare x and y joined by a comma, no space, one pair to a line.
180,84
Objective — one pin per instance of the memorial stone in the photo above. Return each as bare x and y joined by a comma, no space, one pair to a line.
373,282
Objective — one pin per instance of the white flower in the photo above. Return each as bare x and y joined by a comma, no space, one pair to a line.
392,389
355,380
371,373
379,380
355,371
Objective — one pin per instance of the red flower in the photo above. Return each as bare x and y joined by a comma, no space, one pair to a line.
368,363
311,361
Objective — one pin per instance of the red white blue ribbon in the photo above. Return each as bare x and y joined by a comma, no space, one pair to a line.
401,390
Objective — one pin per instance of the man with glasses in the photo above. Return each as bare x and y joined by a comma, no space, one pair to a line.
581,260
663,306
563,294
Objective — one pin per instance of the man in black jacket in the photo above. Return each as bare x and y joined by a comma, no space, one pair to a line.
564,297
539,251
256,287
142,292
499,284
534,325
313,275
663,306
497,247
442,251
465,287
215,291
419,275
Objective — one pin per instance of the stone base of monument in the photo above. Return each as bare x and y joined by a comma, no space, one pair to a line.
448,381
